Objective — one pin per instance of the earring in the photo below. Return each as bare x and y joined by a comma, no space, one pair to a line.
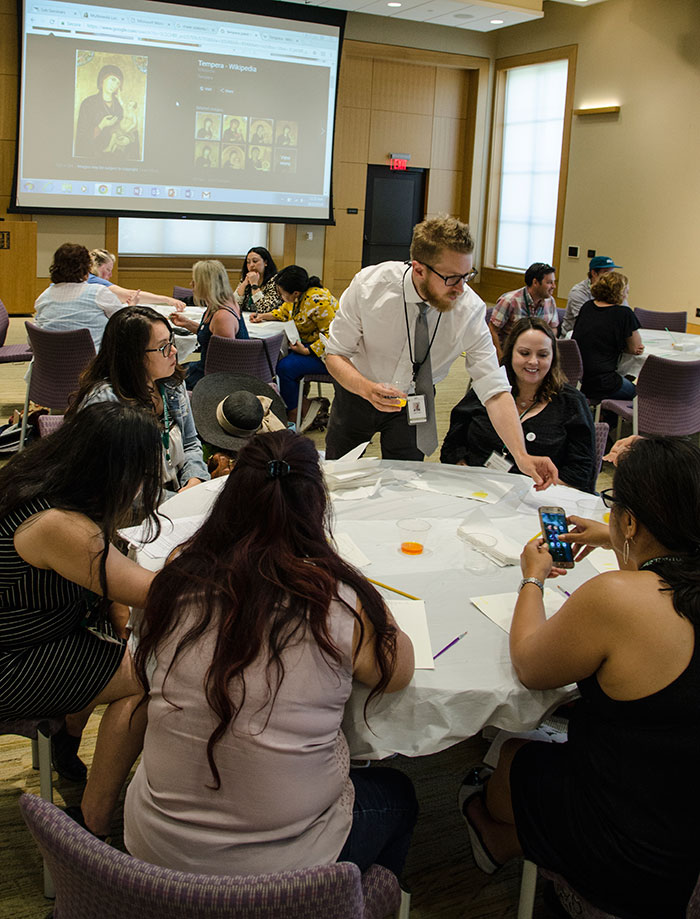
626,551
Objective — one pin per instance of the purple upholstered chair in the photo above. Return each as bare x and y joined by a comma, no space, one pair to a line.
59,359
181,293
657,319
10,354
254,356
667,400
47,424
561,312
310,378
602,429
95,881
39,731
570,361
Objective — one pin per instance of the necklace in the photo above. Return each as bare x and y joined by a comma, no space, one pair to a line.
661,558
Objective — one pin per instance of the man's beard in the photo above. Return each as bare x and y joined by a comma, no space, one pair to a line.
442,306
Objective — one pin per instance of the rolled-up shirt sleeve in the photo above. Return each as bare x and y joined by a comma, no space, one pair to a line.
108,301
346,328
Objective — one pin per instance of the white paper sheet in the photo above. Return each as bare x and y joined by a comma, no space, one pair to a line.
499,607
554,496
410,615
173,533
350,551
476,488
603,560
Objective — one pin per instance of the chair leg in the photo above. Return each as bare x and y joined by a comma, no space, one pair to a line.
35,754
597,412
405,905
23,431
618,432
43,744
300,402
528,886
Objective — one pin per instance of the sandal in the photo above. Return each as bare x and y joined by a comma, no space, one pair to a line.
64,756
483,858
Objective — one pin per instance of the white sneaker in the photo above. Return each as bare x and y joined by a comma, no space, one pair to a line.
310,415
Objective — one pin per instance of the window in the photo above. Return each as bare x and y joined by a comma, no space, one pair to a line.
142,236
529,159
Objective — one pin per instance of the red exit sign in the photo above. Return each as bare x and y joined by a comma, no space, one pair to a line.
398,164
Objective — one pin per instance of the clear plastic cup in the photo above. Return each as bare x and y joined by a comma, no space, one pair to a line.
474,560
413,535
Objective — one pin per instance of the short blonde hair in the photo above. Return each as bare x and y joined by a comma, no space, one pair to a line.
432,236
610,287
212,285
100,257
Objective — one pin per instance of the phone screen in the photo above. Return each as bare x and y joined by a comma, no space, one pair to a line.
553,525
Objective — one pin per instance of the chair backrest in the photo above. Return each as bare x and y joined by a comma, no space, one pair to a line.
602,429
561,312
570,360
4,323
254,356
657,319
181,293
47,424
489,310
59,359
95,881
668,397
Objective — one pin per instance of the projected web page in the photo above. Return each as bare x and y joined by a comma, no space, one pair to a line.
175,109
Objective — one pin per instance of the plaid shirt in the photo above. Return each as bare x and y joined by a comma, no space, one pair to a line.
517,304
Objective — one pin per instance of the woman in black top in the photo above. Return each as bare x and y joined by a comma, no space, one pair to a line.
604,329
555,417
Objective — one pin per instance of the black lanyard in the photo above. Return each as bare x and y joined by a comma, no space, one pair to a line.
415,364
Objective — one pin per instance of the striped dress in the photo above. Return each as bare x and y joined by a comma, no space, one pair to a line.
51,663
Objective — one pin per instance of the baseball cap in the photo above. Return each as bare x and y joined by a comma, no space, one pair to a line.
602,261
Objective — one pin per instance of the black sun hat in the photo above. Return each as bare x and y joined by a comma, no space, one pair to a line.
228,410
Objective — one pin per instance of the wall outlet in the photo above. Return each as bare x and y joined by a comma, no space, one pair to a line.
591,253
573,252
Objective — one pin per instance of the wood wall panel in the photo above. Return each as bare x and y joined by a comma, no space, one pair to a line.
451,92
7,164
348,268
398,87
8,43
355,82
349,184
444,192
349,230
448,144
397,132
340,285
352,134
8,107
17,266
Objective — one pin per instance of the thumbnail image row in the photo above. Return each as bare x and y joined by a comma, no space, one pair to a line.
234,129
263,159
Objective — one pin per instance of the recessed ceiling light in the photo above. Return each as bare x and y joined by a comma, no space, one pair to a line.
393,4
496,22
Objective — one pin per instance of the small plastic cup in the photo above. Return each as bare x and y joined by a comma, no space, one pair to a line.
413,535
474,560
591,508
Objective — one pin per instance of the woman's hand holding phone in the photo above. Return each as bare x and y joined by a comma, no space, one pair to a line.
536,561
586,536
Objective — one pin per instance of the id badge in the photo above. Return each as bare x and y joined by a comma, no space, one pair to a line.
417,412
498,462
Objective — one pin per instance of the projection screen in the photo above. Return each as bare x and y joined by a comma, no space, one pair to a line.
154,108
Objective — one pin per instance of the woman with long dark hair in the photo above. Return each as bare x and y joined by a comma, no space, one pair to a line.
257,289
250,641
555,417
64,586
137,364
615,809
311,307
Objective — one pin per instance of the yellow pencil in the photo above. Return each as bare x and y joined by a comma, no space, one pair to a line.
394,589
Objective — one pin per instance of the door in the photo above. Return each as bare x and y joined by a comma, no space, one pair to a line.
394,204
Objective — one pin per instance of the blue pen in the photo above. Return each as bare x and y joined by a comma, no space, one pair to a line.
447,647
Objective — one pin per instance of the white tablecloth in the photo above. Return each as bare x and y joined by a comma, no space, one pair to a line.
661,343
473,683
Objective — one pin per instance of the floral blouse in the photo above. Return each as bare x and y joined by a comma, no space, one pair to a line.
312,314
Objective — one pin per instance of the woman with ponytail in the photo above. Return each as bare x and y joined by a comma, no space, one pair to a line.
614,810
251,639
311,307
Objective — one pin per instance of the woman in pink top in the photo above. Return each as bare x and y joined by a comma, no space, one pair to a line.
252,636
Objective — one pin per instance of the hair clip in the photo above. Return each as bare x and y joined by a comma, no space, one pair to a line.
277,469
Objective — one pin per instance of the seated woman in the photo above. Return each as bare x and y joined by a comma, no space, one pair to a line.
102,265
212,291
555,416
615,809
257,289
70,302
311,308
253,635
137,364
63,643
604,329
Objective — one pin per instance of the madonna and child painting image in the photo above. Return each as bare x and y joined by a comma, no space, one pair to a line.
110,104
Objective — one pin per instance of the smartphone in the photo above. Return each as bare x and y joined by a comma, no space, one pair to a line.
553,523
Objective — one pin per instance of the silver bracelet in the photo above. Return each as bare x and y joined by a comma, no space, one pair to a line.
531,581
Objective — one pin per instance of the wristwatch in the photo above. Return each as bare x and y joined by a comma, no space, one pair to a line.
531,581
255,287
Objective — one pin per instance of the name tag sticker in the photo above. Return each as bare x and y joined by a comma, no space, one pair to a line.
417,412
498,462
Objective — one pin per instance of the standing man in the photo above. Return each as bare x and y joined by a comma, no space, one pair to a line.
398,329
580,293
535,299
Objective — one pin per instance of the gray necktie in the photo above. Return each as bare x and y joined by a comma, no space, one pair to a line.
426,433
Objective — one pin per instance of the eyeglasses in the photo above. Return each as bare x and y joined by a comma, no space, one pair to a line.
608,497
452,280
166,350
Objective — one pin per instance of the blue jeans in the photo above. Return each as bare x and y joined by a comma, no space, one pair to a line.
383,818
291,369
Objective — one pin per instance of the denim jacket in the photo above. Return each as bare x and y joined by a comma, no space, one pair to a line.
181,414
